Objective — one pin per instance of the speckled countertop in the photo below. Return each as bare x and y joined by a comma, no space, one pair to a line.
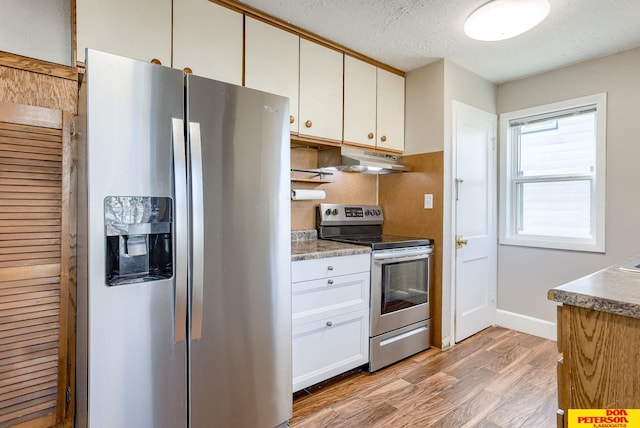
609,290
305,245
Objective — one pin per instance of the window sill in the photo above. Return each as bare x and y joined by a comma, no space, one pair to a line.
547,243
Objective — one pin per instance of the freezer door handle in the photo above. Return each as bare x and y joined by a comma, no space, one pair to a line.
197,225
181,230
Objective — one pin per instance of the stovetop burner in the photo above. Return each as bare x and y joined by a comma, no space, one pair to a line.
360,225
384,242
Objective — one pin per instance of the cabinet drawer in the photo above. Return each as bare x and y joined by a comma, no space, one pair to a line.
346,293
305,270
325,348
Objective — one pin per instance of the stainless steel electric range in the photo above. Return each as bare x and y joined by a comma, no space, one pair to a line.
401,278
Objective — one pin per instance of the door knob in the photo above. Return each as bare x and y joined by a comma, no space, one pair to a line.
460,242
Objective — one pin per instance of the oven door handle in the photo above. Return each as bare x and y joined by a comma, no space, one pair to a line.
402,255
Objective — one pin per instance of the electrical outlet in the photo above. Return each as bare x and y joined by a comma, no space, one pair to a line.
428,201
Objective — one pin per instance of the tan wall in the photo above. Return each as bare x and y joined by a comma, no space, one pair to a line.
402,197
525,274
424,109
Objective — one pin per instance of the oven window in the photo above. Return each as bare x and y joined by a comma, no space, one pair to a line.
404,284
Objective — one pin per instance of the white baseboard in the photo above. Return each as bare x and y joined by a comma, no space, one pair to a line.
526,324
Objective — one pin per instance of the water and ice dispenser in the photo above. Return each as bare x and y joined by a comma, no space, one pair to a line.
139,239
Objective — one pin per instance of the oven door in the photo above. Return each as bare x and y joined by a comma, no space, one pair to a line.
400,288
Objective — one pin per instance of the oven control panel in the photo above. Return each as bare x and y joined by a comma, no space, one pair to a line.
345,214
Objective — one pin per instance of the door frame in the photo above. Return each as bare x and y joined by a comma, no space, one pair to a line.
450,190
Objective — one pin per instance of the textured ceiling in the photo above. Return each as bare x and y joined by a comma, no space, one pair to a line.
407,34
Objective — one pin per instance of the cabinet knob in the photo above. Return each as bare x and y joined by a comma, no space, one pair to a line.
187,70
329,323
370,136
330,268
330,282
292,119
383,138
156,61
308,124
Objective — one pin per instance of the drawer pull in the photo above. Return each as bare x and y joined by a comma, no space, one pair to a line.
329,323
330,282
330,268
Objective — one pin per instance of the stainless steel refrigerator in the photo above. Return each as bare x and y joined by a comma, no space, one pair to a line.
184,302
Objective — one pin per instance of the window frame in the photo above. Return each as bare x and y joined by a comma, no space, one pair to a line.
508,183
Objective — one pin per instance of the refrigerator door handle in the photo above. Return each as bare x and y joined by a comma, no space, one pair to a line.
181,230
197,224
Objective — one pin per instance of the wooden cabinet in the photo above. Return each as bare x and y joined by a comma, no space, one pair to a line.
330,302
207,38
600,365
390,111
272,59
37,291
359,102
138,29
373,106
320,108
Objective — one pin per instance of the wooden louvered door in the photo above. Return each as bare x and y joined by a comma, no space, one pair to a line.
35,242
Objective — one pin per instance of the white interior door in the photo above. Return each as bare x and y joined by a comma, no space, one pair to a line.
475,219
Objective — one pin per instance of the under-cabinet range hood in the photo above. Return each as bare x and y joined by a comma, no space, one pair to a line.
350,159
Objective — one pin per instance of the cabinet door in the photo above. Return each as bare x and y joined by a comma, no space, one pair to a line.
330,346
207,38
311,300
390,111
359,102
271,61
138,29
328,267
320,91
37,287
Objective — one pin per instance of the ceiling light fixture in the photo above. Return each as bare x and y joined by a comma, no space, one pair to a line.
503,19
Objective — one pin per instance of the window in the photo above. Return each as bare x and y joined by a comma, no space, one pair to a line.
552,183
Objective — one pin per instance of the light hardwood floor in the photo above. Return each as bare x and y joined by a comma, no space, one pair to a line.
497,378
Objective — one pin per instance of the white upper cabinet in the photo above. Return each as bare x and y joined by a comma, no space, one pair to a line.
320,103
390,111
359,102
272,59
373,106
207,38
138,29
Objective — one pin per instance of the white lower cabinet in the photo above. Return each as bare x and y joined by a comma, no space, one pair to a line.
330,302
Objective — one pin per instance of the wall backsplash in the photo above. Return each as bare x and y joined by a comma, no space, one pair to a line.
345,188
402,199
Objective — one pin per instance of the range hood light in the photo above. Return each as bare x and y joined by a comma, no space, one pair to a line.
351,159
